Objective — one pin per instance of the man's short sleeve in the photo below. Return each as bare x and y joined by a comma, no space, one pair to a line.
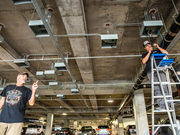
3,93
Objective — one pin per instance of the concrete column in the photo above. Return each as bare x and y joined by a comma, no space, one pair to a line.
66,123
140,113
120,125
75,124
49,123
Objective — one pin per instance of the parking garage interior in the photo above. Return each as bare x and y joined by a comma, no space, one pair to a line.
86,55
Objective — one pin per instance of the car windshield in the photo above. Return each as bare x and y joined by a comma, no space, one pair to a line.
132,126
103,126
65,129
34,126
86,128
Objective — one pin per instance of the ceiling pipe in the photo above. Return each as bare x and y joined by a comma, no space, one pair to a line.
49,30
126,25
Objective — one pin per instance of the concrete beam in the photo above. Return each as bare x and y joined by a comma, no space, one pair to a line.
93,102
74,21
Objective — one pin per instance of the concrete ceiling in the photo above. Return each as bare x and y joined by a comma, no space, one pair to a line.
98,79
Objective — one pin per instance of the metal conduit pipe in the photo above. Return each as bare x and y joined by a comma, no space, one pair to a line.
175,27
125,25
48,28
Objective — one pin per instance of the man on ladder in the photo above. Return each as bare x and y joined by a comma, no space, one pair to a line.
147,60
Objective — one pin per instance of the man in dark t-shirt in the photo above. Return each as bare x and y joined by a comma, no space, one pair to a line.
13,105
146,60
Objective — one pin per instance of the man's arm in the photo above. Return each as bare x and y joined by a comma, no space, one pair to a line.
2,102
34,88
146,58
160,49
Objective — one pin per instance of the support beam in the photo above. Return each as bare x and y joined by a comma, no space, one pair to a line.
94,102
74,22
120,125
49,123
140,113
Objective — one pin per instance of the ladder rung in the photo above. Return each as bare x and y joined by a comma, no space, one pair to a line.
165,83
166,125
163,110
173,100
167,96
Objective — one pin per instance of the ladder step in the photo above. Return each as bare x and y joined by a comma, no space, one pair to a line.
163,111
173,100
166,125
165,83
167,96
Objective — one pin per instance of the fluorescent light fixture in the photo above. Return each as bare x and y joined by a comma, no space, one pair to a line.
53,83
74,90
18,2
22,63
38,28
64,113
150,28
60,96
50,73
109,41
1,39
40,74
110,101
60,66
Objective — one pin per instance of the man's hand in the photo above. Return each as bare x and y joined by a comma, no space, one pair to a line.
35,86
155,45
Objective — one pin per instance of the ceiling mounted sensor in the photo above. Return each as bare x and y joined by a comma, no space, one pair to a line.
50,73
109,41
18,2
150,28
38,27
60,96
22,63
74,90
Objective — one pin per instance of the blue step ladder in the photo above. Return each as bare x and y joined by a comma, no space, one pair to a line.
164,65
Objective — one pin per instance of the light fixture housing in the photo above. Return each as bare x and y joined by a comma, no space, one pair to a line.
1,88
60,66
40,74
64,113
60,96
110,101
18,2
150,28
22,63
54,84
50,73
74,90
109,41
38,28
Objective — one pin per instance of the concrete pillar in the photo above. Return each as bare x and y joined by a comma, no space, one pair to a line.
120,125
140,113
75,124
66,123
49,123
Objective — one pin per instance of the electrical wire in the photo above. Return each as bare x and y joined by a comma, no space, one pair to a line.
161,38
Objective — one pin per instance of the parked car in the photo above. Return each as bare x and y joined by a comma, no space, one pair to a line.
86,130
64,131
130,130
23,131
74,131
103,130
35,129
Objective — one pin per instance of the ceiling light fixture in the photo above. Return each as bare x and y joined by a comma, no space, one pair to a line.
74,90
38,27
22,63
64,113
18,2
60,66
60,96
110,101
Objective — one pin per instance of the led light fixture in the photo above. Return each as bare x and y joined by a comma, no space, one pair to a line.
1,39
60,66
50,73
109,41
22,63
74,90
18,2
60,96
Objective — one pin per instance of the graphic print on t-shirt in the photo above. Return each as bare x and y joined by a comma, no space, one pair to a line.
13,97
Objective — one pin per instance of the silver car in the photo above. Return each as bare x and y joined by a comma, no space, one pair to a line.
103,130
